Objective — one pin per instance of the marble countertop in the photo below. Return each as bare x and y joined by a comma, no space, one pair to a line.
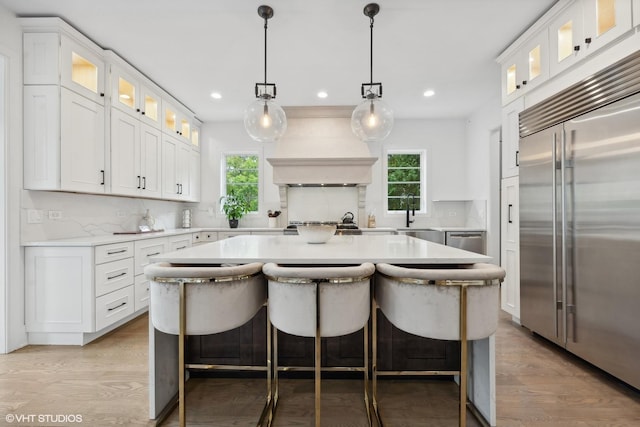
394,249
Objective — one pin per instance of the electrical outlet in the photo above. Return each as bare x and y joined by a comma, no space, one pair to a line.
34,216
55,215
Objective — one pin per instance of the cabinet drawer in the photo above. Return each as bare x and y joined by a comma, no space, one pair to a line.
145,249
179,242
113,252
141,292
114,306
113,275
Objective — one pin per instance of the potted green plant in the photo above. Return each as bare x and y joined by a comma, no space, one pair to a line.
234,207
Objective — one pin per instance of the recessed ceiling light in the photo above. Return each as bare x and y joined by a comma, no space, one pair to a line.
429,92
322,94
216,95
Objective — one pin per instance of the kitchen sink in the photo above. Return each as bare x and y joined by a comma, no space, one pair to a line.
424,234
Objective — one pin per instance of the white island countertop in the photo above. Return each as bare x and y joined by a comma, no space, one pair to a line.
393,249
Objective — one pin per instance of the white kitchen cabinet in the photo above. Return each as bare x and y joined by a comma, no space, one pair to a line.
136,156
584,27
526,68
228,234
636,13
511,137
195,134
147,248
176,121
56,58
177,243
141,292
75,294
132,94
510,246
204,237
180,170
64,140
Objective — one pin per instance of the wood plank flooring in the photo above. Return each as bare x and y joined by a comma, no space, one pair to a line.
106,383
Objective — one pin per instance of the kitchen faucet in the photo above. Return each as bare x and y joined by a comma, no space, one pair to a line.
411,197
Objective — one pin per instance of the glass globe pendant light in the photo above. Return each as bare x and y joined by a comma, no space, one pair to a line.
372,119
264,120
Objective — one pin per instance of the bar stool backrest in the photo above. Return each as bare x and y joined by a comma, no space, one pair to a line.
426,301
344,298
218,298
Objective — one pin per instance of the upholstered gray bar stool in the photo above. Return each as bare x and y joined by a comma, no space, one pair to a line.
203,300
320,302
459,304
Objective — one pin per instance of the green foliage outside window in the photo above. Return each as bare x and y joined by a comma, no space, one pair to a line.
242,178
403,178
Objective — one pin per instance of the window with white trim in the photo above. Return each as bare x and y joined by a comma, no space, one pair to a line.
406,182
241,177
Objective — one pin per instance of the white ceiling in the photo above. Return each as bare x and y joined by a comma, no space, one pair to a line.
194,47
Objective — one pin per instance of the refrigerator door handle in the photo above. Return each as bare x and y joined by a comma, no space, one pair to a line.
554,230
563,197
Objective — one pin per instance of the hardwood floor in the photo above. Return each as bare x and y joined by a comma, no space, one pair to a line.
106,384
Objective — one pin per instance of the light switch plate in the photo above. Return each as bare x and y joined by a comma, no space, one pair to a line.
34,216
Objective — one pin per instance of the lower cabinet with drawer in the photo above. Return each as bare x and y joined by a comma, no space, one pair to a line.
76,294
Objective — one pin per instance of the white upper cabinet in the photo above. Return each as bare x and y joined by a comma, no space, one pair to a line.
82,70
54,58
195,134
605,21
176,121
130,93
585,27
526,68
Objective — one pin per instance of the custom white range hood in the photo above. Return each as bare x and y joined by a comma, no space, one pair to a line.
320,150
322,171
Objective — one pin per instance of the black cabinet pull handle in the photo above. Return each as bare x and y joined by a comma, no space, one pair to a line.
102,94
518,158
517,86
137,110
587,40
142,113
576,48
144,182
177,188
116,276
117,306
509,214
102,172
524,82
181,247
138,181
154,254
117,252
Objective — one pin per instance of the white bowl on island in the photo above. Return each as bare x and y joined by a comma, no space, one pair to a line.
316,232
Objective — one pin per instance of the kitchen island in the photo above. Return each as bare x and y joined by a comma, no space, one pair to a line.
339,250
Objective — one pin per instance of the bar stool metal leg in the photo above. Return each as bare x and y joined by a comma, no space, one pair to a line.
463,356
181,368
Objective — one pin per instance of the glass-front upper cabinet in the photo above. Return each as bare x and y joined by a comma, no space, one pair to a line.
125,91
151,106
175,121
584,27
526,68
82,70
195,135
604,21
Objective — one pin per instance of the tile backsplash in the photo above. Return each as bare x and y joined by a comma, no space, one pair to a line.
66,215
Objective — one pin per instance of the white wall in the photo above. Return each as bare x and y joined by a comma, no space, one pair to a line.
483,165
12,285
444,140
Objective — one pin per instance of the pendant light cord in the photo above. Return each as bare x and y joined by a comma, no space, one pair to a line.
371,54
265,52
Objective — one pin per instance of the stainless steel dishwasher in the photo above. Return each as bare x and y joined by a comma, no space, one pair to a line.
472,241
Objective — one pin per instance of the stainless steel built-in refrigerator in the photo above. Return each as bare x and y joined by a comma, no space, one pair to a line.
580,219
